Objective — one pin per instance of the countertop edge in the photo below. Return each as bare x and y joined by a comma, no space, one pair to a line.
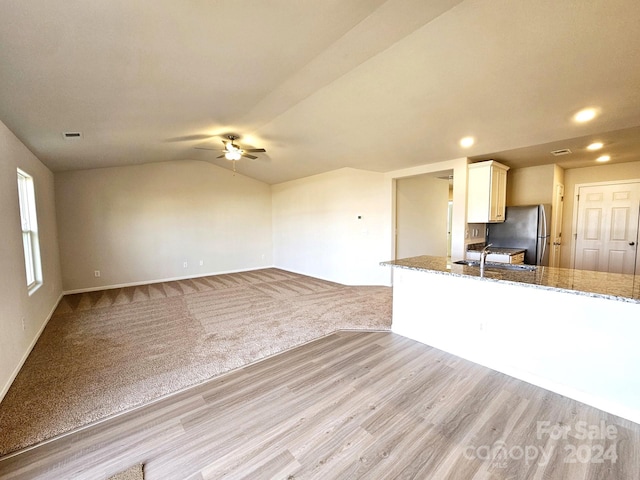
514,282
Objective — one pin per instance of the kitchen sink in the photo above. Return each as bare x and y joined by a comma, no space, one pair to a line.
502,266
468,263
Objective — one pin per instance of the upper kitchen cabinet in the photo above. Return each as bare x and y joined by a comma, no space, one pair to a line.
487,192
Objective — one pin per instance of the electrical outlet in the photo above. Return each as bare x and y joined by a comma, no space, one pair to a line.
201,263
185,264
96,273
24,327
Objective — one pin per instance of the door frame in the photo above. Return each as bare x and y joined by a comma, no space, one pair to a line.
436,177
576,207
557,212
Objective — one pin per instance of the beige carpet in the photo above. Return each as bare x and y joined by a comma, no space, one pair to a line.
108,351
133,473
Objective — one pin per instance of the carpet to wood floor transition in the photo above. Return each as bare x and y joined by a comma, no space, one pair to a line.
108,351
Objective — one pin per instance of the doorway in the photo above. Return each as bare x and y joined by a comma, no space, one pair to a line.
422,215
608,219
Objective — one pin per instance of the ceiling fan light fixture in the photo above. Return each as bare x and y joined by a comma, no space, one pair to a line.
233,154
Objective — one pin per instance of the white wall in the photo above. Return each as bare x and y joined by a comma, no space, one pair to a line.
317,231
140,223
421,216
15,304
530,185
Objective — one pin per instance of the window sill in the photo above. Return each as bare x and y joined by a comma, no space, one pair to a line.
32,289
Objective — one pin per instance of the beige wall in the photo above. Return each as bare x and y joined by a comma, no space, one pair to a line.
531,185
317,231
421,216
15,303
141,223
576,176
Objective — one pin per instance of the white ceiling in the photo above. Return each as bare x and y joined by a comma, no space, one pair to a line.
372,84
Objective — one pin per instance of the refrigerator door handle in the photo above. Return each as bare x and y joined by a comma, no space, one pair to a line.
543,214
543,234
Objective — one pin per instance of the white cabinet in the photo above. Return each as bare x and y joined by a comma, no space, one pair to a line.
487,193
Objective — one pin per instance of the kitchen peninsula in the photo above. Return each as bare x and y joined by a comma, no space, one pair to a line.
573,332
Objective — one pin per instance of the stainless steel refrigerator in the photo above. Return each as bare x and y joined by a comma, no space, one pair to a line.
525,227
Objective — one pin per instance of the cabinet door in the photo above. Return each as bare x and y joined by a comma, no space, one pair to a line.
498,194
486,195
478,195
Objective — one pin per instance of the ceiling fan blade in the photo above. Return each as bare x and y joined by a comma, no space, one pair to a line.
252,157
189,138
260,150
221,156
205,148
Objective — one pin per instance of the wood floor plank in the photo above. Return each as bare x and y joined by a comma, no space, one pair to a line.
353,405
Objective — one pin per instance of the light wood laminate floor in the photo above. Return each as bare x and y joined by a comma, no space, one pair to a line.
351,405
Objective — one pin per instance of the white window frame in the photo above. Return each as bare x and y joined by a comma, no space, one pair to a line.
29,222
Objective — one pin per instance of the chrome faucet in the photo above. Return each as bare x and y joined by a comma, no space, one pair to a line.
483,258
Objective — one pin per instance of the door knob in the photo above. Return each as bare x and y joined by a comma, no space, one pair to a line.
632,243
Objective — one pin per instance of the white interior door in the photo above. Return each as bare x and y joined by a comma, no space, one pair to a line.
607,228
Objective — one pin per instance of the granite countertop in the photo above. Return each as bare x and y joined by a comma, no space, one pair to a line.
501,250
613,286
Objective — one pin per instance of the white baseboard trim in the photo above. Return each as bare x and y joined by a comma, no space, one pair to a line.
160,280
15,372
307,274
388,283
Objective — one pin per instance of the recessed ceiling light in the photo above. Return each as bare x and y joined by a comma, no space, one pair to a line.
603,158
595,146
585,115
466,142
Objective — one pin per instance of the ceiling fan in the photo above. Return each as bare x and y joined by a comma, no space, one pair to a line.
233,151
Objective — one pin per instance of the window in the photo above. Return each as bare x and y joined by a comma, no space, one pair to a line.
27,197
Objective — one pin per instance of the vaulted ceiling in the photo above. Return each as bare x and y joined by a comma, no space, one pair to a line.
372,84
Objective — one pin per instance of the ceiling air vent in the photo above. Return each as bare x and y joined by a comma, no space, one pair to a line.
72,135
562,151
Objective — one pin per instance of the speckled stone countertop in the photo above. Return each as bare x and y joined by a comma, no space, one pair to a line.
502,250
613,286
